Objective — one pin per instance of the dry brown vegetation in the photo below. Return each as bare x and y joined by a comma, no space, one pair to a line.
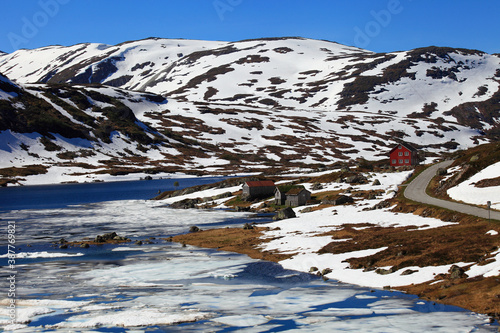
465,241
9,175
408,246
488,182
231,239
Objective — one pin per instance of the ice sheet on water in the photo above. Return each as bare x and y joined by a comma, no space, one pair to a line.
365,297
131,318
43,254
417,322
127,248
392,306
23,314
52,303
243,320
132,218
196,266
27,310
99,307
249,304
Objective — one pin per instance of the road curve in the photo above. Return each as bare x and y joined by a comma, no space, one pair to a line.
416,191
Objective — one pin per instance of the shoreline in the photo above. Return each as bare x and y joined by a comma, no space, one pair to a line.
468,294
38,180
371,241
235,240
378,240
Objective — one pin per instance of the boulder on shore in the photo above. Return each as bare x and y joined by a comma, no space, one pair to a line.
194,229
457,272
339,200
284,214
186,204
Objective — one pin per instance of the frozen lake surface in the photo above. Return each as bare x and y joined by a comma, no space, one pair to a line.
166,287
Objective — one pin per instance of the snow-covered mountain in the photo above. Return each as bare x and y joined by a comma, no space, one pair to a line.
266,104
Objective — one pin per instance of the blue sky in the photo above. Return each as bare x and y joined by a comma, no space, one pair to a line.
376,25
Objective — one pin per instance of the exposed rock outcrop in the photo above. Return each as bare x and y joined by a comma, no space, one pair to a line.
284,214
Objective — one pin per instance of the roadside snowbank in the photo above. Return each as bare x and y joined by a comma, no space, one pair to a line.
468,193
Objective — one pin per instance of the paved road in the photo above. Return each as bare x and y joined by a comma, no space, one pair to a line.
416,191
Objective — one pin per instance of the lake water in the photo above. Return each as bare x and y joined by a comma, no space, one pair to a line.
164,287
56,196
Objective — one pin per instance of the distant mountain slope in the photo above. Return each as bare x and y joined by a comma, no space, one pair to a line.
256,105
127,65
430,82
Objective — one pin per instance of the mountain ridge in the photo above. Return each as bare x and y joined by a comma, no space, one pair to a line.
260,105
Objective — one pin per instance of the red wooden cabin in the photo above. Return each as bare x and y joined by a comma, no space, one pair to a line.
403,154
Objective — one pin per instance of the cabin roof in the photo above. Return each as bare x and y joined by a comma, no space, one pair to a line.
260,183
285,188
295,191
404,144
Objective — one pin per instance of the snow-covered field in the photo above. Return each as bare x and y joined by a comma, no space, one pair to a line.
303,236
468,193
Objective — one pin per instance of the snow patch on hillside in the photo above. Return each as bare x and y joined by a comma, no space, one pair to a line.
264,103
468,193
